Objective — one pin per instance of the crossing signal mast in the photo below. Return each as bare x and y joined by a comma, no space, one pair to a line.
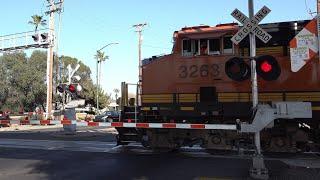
41,39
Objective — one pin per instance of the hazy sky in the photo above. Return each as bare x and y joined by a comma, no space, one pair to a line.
89,25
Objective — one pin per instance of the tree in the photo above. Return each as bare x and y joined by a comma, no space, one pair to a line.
116,91
24,80
37,21
101,57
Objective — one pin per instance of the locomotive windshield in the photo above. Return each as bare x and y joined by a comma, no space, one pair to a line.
207,46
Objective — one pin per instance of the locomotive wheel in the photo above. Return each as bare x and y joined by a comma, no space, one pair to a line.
160,142
216,139
280,144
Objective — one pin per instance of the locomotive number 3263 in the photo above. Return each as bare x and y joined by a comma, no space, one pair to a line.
195,71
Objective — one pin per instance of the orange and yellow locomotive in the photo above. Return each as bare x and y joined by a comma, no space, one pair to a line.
206,80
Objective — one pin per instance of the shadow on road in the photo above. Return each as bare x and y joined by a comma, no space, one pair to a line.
42,164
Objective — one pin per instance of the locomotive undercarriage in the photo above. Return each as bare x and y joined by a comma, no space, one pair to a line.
289,140
294,135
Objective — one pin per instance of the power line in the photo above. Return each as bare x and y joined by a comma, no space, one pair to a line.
309,9
156,47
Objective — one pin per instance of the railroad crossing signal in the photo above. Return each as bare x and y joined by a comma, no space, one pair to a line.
69,88
42,37
25,40
251,25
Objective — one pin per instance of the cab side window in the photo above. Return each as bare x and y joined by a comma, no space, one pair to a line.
214,47
190,47
203,46
186,47
227,45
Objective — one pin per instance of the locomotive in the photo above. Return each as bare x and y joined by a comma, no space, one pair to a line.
206,80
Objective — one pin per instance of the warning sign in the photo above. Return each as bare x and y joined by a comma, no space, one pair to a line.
304,46
300,53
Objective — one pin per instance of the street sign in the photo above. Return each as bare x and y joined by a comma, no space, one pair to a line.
304,46
251,25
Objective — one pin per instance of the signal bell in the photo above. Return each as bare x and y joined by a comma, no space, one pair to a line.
268,67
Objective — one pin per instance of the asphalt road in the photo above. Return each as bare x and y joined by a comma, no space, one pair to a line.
54,156
43,164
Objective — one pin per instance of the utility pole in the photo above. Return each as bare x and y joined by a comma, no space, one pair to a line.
51,12
139,29
50,58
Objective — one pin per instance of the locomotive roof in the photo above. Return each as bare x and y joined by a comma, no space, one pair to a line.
207,31
219,30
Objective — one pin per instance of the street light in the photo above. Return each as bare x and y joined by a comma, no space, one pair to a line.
98,72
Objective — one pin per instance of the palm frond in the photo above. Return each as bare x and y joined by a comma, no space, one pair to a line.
37,20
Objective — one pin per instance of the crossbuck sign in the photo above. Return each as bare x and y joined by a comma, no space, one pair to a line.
251,25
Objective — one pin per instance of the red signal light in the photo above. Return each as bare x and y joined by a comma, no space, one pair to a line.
266,67
72,88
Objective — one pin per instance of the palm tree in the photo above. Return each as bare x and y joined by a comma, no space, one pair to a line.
37,21
116,91
100,57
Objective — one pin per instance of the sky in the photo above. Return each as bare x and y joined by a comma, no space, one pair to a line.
87,26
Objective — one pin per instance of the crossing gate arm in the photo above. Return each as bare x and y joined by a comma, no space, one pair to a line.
264,116
177,126
124,124
146,125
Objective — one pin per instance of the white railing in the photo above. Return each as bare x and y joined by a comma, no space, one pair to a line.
25,40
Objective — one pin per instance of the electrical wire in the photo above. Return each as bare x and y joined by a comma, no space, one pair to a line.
42,7
156,47
58,41
309,9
